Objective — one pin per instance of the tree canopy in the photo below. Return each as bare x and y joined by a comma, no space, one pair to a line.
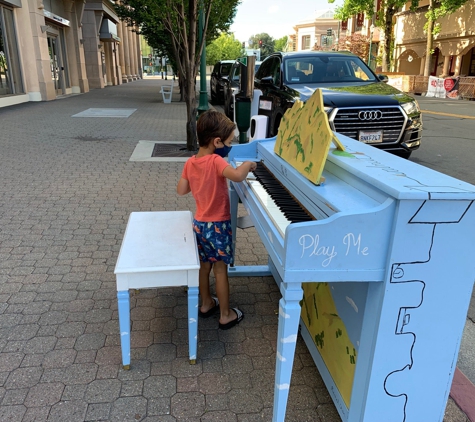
267,47
281,43
437,10
385,21
225,47
172,26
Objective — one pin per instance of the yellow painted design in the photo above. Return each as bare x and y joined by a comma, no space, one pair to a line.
304,137
330,336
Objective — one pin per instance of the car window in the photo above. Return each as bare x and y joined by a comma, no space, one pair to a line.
326,69
275,70
359,72
235,73
225,68
265,69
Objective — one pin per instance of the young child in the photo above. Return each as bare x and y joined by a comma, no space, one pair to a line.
205,176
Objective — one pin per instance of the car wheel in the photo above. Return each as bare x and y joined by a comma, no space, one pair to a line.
213,98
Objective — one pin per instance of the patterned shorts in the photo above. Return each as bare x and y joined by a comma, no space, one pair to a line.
215,241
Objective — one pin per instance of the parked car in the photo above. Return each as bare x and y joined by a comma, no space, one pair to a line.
359,103
231,87
219,75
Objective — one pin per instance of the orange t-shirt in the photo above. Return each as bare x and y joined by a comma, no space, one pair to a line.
209,187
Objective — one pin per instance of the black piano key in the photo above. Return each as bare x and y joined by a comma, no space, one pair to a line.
292,210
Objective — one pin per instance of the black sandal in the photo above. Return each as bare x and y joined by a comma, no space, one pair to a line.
231,324
212,311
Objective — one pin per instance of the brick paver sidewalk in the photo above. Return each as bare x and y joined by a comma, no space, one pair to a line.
67,190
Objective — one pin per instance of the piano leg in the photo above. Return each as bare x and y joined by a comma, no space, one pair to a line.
233,201
289,317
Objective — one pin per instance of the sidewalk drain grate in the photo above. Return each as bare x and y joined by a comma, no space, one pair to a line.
171,150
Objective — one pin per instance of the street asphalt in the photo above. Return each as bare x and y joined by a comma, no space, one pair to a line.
68,188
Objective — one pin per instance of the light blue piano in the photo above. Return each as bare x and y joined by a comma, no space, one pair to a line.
391,249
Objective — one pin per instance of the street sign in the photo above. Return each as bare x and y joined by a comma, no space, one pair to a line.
242,60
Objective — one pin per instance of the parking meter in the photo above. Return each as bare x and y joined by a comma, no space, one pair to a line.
244,96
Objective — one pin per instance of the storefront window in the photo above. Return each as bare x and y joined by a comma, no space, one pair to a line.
10,75
306,42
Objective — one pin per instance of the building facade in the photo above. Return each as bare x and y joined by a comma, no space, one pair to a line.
51,48
312,34
453,48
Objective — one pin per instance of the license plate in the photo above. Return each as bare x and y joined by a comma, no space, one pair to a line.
371,137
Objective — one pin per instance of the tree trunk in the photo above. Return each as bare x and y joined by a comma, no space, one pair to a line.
430,37
191,113
388,38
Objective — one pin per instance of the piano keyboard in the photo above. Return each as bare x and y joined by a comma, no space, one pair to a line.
282,208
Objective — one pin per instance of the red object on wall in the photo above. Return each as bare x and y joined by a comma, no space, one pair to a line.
344,25
449,84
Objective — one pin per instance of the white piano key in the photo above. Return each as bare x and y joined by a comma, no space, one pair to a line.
273,211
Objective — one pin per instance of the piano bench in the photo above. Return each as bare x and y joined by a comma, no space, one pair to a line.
147,259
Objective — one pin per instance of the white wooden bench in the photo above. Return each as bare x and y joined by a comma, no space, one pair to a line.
167,92
158,250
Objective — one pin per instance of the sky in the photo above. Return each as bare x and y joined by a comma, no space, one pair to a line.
274,17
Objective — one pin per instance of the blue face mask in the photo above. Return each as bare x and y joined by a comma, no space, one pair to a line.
223,151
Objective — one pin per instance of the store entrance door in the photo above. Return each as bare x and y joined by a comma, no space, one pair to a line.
56,62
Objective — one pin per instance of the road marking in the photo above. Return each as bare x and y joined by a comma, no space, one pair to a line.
462,116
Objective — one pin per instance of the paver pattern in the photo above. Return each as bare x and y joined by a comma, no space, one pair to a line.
67,189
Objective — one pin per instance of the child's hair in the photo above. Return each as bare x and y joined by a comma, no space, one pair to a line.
213,124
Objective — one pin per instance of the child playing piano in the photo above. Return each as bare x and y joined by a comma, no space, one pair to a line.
205,176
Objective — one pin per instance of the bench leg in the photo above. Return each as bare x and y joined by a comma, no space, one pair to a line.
123,301
193,322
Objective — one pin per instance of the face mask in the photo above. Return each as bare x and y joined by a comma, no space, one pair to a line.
223,151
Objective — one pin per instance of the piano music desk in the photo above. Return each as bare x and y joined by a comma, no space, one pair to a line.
158,250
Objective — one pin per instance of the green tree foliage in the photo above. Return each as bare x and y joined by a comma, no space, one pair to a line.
385,21
225,47
268,46
172,27
281,43
437,10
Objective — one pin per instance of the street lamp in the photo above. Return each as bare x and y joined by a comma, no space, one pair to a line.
371,30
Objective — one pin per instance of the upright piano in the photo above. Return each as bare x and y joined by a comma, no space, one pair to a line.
374,265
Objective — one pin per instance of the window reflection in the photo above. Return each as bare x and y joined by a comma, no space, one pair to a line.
10,74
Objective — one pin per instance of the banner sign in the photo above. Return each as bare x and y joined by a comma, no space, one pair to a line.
443,88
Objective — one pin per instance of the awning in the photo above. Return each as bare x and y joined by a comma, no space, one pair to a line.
108,31
56,18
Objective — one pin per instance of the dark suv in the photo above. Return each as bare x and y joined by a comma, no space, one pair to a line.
359,103
219,74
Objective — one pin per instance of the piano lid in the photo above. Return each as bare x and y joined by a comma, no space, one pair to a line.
396,176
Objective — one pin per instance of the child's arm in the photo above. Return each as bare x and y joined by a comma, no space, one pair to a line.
183,187
238,174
